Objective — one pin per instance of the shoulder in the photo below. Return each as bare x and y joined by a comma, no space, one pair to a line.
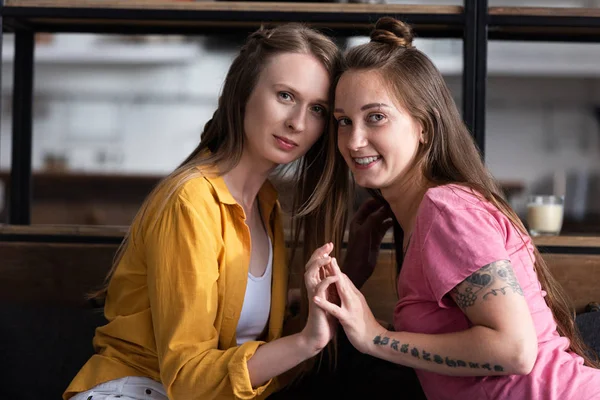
454,198
190,194
456,208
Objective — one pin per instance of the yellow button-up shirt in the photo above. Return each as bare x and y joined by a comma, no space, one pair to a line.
174,301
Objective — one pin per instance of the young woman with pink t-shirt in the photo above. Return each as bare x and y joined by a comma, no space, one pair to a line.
479,316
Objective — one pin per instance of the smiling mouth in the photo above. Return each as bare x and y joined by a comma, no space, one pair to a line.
364,161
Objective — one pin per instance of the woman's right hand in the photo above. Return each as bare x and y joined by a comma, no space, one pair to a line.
320,327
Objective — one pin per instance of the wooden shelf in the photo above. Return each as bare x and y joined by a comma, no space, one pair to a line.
164,16
63,230
189,17
246,6
544,23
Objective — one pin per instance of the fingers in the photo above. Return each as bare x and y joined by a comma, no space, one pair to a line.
328,307
332,294
335,268
315,271
320,298
346,288
321,289
320,254
344,285
325,271
318,263
328,269
322,251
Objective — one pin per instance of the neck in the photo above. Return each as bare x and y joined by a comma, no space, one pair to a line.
246,178
404,198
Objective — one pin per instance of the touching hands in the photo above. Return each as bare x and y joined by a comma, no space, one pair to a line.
320,327
367,229
353,312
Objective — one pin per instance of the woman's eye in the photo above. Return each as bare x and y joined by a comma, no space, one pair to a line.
319,110
285,96
375,117
344,122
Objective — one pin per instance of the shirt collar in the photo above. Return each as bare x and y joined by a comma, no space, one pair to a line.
267,195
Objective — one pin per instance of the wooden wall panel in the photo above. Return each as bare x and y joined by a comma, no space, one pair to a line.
62,273
51,273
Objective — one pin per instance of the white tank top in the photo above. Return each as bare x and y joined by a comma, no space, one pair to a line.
257,304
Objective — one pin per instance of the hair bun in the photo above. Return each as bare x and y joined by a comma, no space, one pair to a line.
261,33
392,32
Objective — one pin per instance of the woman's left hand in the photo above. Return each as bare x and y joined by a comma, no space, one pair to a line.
353,313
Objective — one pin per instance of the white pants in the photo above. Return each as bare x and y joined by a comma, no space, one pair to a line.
128,388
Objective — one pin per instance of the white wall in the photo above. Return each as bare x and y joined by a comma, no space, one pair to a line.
140,118
145,118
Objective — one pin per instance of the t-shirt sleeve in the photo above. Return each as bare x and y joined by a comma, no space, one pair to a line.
458,243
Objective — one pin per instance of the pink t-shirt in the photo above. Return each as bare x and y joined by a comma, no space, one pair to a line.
455,235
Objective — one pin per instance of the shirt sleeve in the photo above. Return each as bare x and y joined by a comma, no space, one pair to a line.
458,243
182,251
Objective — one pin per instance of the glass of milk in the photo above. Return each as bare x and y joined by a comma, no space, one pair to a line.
545,214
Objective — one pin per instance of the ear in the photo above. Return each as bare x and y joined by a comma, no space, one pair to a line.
422,135
420,128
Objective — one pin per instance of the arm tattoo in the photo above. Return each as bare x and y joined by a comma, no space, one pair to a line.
491,280
433,358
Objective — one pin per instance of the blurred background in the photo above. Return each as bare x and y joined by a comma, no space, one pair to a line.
114,114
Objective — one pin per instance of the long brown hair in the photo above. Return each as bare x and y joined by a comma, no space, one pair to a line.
222,140
449,155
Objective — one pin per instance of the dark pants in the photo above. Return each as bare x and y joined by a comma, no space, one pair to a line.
356,375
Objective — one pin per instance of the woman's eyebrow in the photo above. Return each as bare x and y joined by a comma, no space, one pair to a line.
365,107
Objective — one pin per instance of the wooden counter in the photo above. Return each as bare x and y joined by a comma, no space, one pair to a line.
544,241
63,230
55,255
118,231
567,241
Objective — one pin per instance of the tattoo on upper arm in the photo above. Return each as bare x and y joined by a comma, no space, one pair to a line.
422,354
491,280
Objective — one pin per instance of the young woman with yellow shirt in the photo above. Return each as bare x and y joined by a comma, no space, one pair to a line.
197,295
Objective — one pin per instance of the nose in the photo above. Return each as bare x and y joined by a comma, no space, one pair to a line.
357,139
296,121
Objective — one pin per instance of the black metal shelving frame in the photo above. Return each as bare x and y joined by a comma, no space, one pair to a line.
475,23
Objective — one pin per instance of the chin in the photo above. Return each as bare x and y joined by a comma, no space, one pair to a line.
280,158
366,183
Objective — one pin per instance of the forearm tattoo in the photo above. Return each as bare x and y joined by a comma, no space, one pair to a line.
493,279
424,355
